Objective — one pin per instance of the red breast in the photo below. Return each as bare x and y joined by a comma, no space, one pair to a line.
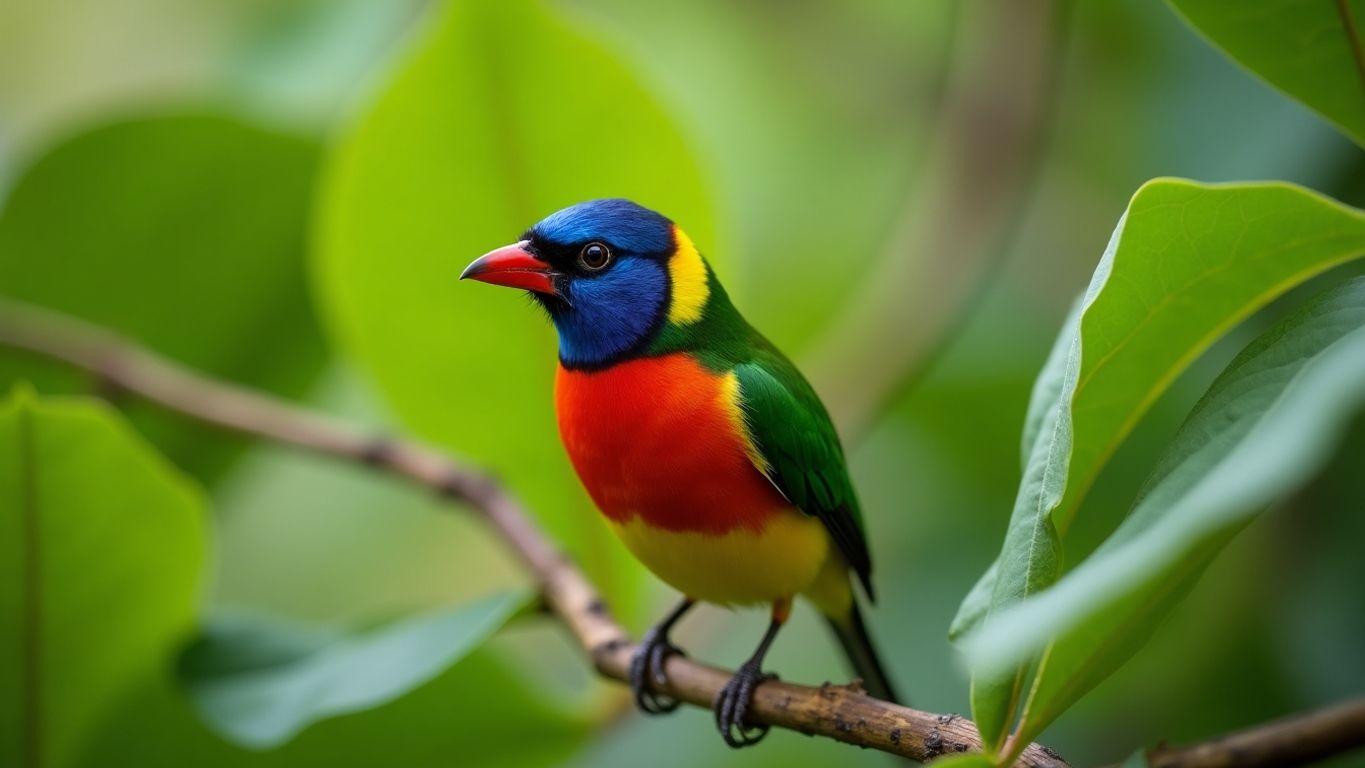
661,438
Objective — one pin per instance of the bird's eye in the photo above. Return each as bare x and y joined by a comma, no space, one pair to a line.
594,257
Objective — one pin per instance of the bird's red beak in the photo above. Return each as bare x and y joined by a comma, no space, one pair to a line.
515,267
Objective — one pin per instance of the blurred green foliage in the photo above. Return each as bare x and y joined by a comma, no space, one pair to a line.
184,232
159,174
261,682
1311,51
92,517
480,710
451,158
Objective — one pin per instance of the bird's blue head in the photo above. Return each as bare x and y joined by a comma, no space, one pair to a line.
611,274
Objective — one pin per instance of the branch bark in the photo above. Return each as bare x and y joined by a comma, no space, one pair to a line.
1297,740
843,713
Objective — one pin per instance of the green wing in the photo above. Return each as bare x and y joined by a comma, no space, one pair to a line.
794,435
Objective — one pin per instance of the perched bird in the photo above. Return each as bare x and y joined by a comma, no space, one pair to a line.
702,445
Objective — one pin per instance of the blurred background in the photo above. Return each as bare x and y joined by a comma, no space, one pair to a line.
904,196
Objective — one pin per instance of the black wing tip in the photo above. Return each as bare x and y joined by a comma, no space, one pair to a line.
862,654
865,578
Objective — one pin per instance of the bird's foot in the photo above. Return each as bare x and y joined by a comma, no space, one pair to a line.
733,704
648,665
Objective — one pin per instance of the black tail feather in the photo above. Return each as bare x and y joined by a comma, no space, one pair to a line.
852,634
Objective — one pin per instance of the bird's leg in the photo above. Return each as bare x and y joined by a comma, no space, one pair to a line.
648,663
733,702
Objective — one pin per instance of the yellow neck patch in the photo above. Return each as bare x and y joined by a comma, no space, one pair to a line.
688,274
732,403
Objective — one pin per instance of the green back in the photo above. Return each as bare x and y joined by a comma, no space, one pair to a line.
788,423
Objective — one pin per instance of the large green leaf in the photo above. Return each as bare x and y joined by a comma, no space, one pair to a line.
1310,49
1186,262
1043,401
101,545
259,682
471,141
185,233
1266,425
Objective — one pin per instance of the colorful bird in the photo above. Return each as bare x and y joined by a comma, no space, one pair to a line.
703,446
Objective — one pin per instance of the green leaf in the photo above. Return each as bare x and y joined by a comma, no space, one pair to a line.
994,699
482,711
1047,388
1047,391
1266,426
751,114
101,546
185,233
1309,49
260,683
976,604
1186,263
470,142
121,537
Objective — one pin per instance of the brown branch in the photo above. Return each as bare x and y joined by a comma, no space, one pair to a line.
837,712
1297,740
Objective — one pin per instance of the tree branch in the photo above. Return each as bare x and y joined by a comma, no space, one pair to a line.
843,713
839,712
1297,740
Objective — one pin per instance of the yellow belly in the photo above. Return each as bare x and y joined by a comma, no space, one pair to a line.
742,566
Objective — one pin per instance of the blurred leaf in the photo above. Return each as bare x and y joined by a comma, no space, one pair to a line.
285,518
1186,262
813,154
260,683
1309,50
471,142
301,61
976,604
995,700
1266,425
479,712
100,549
185,233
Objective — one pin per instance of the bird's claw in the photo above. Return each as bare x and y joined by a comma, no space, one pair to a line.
646,666
732,705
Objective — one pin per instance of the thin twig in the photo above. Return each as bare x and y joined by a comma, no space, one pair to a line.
844,713
1297,740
